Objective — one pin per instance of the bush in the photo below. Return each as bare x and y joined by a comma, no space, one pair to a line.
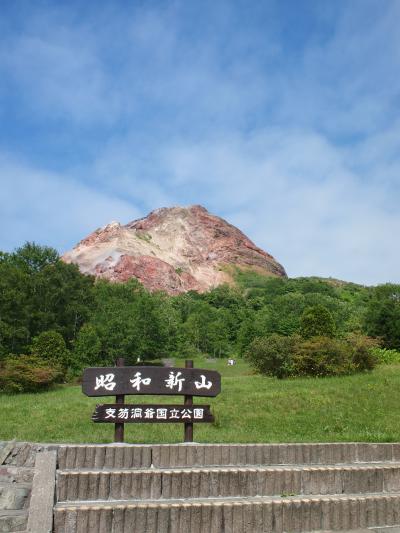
27,373
362,347
384,356
282,357
322,356
51,347
273,355
317,321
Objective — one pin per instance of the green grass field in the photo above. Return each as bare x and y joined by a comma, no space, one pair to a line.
251,408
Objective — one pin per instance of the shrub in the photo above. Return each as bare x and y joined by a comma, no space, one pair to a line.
273,355
384,356
317,321
362,347
319,356
322,356
50,346
27,373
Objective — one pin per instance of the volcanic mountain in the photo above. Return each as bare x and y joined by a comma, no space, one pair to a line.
174,249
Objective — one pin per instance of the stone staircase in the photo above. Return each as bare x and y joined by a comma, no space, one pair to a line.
227,488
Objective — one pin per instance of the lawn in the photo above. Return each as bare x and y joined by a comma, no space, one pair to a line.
251,408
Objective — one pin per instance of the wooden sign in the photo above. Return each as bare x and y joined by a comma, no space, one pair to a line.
161,413
121,380
113,381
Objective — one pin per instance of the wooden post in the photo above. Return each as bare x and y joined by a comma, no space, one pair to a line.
188,430
120,399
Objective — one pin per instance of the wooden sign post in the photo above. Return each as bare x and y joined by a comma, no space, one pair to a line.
120,399
123,380
188,428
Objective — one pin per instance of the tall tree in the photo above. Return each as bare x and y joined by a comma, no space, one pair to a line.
382,318
317,321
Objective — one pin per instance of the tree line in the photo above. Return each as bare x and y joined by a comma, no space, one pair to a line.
52,312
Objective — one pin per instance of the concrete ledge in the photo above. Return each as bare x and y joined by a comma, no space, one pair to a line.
225,482
318,513
40,518
200,454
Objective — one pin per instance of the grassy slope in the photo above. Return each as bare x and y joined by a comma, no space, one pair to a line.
251,408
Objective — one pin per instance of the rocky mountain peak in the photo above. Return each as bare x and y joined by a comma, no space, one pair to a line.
174,249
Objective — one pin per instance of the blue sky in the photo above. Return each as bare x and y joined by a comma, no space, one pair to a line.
280,116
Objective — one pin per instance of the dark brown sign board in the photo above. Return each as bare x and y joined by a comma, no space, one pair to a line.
145,413
121,380
112,381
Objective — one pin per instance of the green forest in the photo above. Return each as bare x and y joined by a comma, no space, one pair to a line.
55,321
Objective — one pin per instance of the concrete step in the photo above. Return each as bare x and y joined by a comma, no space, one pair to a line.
227,481
176,455
104,456
249,515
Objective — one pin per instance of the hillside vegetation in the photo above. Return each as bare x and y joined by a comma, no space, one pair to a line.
51,312
251,408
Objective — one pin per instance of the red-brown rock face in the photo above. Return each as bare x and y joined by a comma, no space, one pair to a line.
172,249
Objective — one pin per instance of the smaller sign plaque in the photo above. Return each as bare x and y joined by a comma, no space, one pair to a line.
161,413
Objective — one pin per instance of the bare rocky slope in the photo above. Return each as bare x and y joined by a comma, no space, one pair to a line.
173,249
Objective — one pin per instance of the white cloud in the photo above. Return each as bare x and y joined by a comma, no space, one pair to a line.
185,104
52,209
58,71
297,197
110,67
347,83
